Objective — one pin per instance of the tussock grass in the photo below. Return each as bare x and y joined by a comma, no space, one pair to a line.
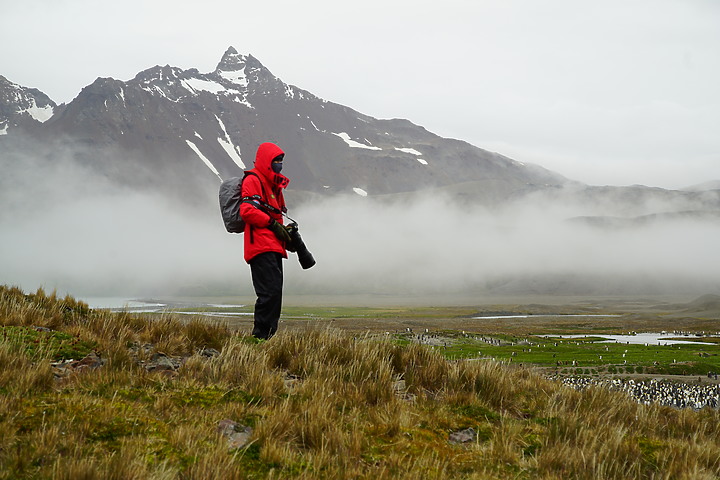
321,404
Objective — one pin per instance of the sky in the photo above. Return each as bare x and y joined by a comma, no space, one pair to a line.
617,92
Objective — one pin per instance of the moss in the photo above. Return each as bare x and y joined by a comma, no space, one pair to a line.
111,430
136,393
475,413
53,344
250,459
210,396
533,443
652,451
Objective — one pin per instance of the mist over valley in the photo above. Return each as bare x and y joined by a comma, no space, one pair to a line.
115,193
76,231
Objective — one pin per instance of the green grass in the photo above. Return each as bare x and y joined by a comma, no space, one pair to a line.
683,359
38,343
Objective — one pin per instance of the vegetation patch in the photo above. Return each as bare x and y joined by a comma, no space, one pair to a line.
40,342
323,403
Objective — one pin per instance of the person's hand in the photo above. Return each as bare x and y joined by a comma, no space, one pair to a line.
280,232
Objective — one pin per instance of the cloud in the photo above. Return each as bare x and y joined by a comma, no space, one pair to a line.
109,242
435,245
72,229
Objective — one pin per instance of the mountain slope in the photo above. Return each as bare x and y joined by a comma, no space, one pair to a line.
180,125
178,131
22,107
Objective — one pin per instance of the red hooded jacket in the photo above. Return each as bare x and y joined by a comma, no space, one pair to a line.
269,186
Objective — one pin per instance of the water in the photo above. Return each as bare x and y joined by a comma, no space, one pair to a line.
636,339
121,303
497,317
141,306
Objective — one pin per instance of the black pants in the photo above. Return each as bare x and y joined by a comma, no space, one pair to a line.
267,278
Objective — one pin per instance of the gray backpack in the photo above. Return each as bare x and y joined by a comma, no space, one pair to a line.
231,198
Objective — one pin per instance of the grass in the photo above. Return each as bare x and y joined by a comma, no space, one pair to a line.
35,342
322,403
698,358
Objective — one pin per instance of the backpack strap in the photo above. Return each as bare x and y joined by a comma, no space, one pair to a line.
256,200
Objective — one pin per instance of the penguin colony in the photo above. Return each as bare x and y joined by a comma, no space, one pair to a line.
679,395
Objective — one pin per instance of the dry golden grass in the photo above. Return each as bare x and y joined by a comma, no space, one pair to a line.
321,403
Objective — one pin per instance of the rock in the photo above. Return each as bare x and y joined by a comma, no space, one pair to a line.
161,362
209,352
463,436
291,381
64,368
92,360
237,435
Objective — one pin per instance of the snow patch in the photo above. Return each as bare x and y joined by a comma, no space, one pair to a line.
409,150
196,84
203,158
360,191
412,151
236,77
41,114
232,150
3,131
152,89
242,100
353,143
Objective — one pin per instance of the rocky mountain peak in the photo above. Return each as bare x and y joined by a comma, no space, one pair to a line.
22,106
246,73
231,61
158,74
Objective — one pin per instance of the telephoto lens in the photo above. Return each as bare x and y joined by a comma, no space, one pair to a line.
297,245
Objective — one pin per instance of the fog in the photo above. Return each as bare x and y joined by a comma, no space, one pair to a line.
435,245
73,231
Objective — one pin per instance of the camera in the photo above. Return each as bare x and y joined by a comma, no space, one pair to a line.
297,245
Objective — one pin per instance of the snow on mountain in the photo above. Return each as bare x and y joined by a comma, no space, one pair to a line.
353,144
232,150
22,107
191,127
180,131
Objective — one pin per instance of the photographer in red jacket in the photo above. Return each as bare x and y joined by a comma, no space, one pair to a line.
265,236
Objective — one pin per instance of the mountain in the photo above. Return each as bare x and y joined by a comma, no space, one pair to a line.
22,108
183,129
178,131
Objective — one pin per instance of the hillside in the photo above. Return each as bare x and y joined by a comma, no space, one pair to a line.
164,398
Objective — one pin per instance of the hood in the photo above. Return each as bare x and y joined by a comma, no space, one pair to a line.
266,152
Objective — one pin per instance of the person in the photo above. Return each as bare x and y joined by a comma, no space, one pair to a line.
265,236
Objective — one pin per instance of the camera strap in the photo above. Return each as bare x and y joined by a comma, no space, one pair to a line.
257,202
